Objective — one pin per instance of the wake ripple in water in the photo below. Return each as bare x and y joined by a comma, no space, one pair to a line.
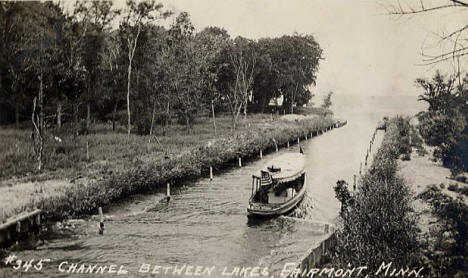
304,213
304,210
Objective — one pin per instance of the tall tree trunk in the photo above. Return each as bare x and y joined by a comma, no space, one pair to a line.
214,120
59,114
75,119
114,111
128,97
17,115
262,104
152,122
88,115
293,97
187,122
38,123
166,120
245,105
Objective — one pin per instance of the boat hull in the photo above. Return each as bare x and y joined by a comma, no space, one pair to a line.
266,210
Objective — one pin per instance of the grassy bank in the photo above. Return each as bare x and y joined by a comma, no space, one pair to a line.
120,166
378,223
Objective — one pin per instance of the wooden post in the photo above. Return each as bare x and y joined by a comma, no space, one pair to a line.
298,140
276,147
101,221
288,144
168,192
211,173
87,151
240,162
306,136
354,182
261,154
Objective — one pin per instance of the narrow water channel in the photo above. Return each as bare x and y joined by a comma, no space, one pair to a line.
205,223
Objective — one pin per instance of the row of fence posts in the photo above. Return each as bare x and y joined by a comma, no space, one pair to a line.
168,189
368,153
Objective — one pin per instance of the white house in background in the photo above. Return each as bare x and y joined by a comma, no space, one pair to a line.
278,101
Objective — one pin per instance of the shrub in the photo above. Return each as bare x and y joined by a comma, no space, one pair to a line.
82,199
463,190
461,178
380,225
448,256
453,187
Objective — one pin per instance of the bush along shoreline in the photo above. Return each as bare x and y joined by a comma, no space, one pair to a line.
80,200
378,223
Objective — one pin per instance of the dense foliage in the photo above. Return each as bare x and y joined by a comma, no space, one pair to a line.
444,124
90,69
448,254
378,221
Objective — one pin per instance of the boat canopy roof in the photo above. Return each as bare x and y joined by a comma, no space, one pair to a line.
291,166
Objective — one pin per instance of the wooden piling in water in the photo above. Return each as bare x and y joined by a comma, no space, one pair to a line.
168,192
240,162
211,173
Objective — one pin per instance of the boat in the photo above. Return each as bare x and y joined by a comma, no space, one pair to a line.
279,187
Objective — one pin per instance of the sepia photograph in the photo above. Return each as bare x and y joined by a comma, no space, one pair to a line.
234,138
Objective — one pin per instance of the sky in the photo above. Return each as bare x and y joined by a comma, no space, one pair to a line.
366,51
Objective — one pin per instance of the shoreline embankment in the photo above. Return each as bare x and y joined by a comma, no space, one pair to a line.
79,200
319,255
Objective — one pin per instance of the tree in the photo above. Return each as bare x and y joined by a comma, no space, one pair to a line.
438,92
16,19
210,43
455,38
96,16
136,16
113,59
327,103
444,125
186,70
239,70
265,85
43,47
297,59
